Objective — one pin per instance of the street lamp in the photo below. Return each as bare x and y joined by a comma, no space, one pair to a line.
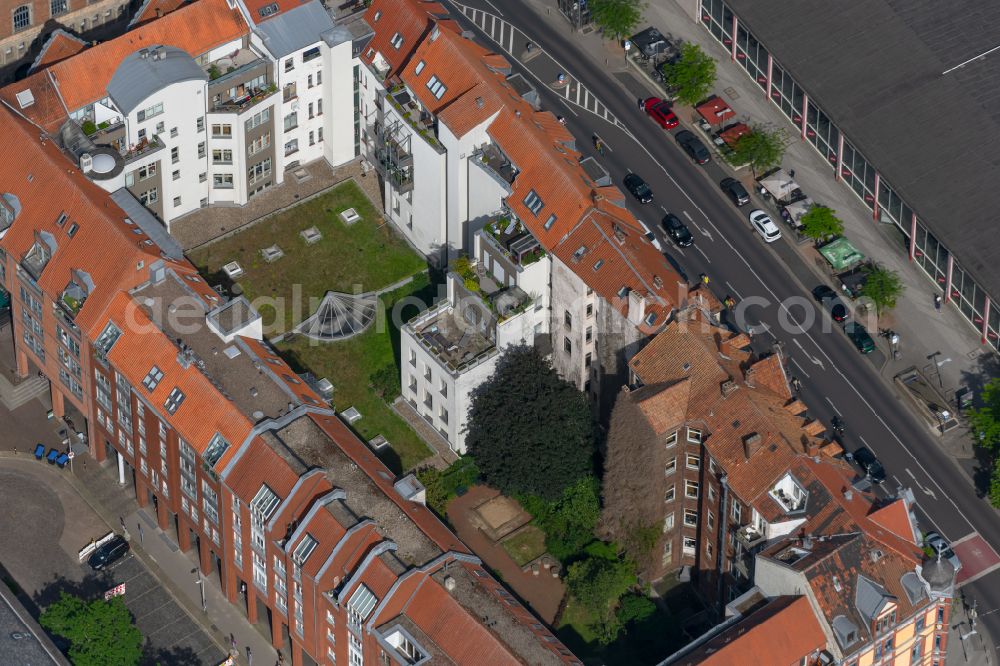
200,582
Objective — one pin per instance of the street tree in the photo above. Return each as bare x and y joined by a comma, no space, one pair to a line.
761,148
820,223
985,420
530,431
617,19
882,287
100,633
692,76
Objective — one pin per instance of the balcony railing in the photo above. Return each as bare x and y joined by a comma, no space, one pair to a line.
241,104
143,148
749,536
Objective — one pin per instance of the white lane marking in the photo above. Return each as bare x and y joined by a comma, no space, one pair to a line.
681,251
688,216
733,289
911,474
801,369
812,359
865,442
702,252
663,208
497,9
831,404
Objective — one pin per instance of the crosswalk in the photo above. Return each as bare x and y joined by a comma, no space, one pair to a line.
541,65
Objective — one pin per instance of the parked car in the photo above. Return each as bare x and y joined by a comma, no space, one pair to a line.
693,146
870,464
860,337
638,187
764,225
939,545
831,301
677,230
660,111
651,237
736,192
108,553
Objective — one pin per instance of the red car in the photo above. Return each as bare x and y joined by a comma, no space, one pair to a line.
660,111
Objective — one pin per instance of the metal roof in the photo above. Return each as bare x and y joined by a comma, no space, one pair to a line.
298,28
880,70
148,223
148,71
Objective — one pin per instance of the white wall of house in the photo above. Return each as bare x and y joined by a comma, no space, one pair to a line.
570,346
338,103
183,103
464,196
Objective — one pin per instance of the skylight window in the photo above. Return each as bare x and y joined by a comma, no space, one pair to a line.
436,87
264,503
378,15
174,401
419,68
598,264
109,336
152,379
650,319
269,10
534,202
216,448
73,228
304,549
396,41
549,222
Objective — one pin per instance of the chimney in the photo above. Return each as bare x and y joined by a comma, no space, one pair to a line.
159,13
751,444
751,371
811,447
728,387
619,234
449,583
636,307
848,494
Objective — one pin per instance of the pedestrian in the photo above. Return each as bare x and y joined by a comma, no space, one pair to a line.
642,104
791,173
122,521
937,302
15,450
249,656
139,525
232,640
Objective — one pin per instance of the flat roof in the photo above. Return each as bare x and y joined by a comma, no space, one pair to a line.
879,69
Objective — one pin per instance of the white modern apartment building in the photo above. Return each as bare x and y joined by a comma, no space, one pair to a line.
208,105
450,349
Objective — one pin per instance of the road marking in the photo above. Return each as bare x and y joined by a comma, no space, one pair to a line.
702,252
865,442
977,576
497,9
663,208
688,216
801,369
831,404
911,474
733,289
896,479
812,359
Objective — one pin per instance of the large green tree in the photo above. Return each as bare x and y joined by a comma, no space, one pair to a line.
692,76
820,223
761,148
617,19
597,583
530,431
569,521
100,633
985,425
882,287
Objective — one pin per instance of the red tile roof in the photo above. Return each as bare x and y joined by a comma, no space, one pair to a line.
782,633
409,18
81,80
60,45
258,465
152,10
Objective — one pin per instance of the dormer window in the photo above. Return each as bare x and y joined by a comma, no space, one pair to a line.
41,251
9,208
846,632
108,337
152,379
304,549
406,646
216,448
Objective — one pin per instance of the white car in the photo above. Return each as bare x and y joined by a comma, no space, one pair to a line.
764,225
651,237
939,545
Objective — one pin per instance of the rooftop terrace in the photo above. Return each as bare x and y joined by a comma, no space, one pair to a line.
456,343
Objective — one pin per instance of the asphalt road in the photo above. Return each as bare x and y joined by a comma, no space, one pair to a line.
770,281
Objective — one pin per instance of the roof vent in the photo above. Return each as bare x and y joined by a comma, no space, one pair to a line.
658,282
848,494
258,415
752,444
876,554
86,162
25,98
580,251
728,387
480,103
449,583
619,234
686,366
253,391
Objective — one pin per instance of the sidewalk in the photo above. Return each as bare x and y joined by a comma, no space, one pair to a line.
171,566
977,649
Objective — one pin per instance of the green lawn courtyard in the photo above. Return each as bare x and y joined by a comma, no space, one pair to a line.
363,257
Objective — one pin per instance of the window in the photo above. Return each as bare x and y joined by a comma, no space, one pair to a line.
292,147
590,310
173,132
551,221
175,156
312,138
736,511
152,379
587,360
444,388
209,502
260,143
690,545
258,119
693,461
176,175
396,41
690,518
711,520
58,7
671,465
290,64
436,87
22,17
147,172
319,107
708,549
668,522
173,401
177,202
534,202
200,124
223,181
671,439
694,436
201,150
589,335
567,346
319,135
202,177
222,131
222,156
691,489
259,171
311,54
215,449
443,414
568,319
146,114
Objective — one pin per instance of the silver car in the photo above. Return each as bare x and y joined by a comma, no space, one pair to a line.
939,545
764,226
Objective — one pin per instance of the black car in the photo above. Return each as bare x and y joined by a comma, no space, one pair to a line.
108,553
677,230
831,301
860,337
638,187
735,191
870,464
693,146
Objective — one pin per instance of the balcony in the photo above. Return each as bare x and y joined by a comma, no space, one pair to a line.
142,149
409,109
510,237
749,537
73,298
490,158
788,493
248,99
391,155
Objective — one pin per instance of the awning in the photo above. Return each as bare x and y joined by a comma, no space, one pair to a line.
650,41
797,210
715,110
732,135
780,185
841,254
